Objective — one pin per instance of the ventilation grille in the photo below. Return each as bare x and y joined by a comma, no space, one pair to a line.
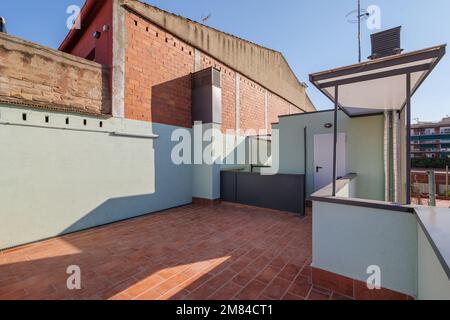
386,43
216,78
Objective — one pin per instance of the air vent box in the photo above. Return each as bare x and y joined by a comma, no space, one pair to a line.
207,96
386,43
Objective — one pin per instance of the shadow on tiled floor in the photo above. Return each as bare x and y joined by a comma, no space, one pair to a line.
220,252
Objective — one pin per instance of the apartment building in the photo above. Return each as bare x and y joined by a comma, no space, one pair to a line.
431,139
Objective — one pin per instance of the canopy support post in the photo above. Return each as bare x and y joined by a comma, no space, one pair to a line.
336,107
408,138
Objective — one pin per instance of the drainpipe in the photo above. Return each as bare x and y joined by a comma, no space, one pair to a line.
305,141
431,189
395,154
387,164
446,182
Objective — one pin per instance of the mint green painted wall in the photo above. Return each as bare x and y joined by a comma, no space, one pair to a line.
433,283
56,181
348,239
364,148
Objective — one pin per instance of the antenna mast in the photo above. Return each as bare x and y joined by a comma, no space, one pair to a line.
359,31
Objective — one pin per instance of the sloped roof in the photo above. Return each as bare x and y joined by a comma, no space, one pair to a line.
266,66
378,85
88,12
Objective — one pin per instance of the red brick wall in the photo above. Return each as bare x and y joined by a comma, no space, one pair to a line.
278,107
157,75
158,82
103,46
252,109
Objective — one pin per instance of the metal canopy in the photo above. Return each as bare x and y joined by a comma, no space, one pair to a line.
375,86
378,85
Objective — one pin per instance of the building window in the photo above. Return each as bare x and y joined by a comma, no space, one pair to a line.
445,130
91,55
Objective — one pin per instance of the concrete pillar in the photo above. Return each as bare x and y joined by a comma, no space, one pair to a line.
431,189
238,102
197,60
387,156
446,182
266,111
119,54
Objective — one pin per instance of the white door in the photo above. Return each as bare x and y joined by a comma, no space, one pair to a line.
323,159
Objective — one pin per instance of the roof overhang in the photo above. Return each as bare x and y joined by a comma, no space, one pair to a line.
378,85
87,14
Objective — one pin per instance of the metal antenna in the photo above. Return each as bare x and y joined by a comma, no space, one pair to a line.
361,14
359,31
206,18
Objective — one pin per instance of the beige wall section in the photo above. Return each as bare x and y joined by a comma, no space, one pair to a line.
265,66
41,77
57,181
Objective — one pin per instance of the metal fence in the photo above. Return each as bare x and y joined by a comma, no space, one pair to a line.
285,192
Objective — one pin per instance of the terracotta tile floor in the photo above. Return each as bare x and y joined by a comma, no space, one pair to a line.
225,251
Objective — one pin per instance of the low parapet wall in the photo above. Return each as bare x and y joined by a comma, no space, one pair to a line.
40,77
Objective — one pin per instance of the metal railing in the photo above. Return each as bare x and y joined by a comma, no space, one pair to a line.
430,185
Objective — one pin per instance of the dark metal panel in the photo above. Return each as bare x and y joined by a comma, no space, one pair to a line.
386,43
207,96
228,186
202,104
285,192
202,96
279,192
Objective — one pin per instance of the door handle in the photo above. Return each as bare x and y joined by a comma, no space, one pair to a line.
318,168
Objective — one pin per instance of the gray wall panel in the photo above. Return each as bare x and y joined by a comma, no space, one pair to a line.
280,192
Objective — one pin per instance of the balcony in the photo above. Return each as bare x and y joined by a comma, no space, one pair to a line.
428,137
350,235
427,142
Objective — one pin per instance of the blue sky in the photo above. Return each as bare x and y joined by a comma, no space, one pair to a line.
313,35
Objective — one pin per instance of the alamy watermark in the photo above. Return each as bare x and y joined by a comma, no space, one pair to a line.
74,19
374,280
74,280
209,145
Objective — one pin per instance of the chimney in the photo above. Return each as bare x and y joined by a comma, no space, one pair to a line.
2,25
386,43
